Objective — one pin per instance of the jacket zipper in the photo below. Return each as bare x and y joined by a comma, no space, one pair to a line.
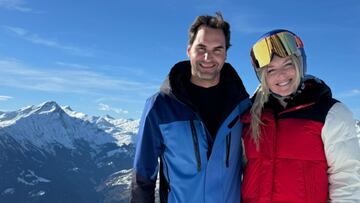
228,140
196,145
228,145
164,185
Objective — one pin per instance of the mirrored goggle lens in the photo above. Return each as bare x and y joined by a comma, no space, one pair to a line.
282,44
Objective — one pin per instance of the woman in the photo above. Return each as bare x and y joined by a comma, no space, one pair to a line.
300,143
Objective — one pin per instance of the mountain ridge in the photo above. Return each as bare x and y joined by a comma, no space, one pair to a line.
48,150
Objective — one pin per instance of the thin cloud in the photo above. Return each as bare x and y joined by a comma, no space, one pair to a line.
5,98
352,93
15,74
259,20
244,23
124,99
72,65
36,39
105,107
18,5
129,70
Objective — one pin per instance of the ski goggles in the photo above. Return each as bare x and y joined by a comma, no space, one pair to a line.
282,43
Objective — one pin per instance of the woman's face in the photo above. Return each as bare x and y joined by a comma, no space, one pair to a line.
281,76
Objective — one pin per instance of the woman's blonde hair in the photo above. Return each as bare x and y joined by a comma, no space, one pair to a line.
262,96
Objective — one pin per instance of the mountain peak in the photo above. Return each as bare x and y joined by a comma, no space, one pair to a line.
49,122
68,108
48,106
107,116
9,118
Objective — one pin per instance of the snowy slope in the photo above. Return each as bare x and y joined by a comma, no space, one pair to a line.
46,124
120,129
47,150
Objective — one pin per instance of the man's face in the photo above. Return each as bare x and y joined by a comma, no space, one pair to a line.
207,56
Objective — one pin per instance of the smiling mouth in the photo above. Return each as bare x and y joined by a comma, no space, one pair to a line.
284,83
207,66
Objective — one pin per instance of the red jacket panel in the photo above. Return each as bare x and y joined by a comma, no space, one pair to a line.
290,165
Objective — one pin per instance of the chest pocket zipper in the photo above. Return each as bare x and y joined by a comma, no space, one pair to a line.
196,145
228,145
228,141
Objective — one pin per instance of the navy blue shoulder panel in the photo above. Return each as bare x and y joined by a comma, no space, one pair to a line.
315,112
169,109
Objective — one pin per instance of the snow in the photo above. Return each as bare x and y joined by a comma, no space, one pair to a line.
74,169
48,126
123,130
123,177
30,178
9,118
47,123
36,194
8,191
21,180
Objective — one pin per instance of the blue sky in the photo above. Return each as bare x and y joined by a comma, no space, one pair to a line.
107,57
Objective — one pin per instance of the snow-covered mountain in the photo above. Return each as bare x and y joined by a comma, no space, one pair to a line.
50,153
119,128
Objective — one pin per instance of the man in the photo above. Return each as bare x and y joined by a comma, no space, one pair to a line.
193,125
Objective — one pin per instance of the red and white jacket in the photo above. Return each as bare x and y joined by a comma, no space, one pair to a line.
308,152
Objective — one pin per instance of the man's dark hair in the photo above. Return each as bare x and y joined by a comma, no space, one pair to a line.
216,22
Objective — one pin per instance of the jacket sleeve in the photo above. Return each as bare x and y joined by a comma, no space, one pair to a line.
146,165
342,149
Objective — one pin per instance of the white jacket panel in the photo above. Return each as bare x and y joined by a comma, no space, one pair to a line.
342,149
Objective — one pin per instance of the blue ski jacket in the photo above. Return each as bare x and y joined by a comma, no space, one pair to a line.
193,167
